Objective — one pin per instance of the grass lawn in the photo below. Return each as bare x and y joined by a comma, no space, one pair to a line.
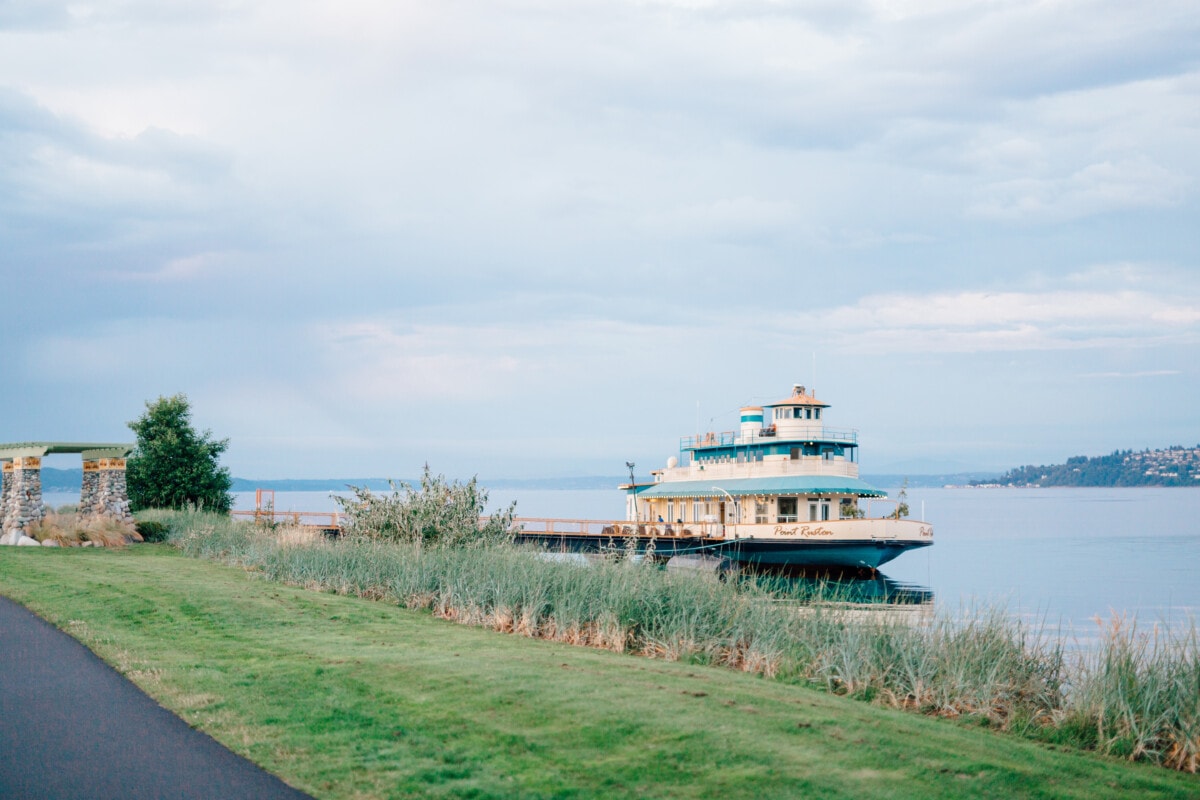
348,698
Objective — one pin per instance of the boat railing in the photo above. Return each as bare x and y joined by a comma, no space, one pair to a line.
617,529
731,438
807,465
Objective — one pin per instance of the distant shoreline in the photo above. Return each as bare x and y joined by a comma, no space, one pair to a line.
70,479
66,480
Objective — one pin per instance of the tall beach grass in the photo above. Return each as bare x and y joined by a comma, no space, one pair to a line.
1134,694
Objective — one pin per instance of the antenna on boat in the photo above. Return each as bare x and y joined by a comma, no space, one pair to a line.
633,487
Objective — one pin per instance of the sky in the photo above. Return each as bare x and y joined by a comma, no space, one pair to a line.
522,238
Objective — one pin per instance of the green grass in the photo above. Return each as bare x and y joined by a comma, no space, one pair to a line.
1133,695
350,698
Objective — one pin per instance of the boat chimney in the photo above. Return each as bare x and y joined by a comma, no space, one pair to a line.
752,420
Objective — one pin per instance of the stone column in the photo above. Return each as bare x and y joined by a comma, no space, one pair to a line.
25,497
113,497
6,484
89,492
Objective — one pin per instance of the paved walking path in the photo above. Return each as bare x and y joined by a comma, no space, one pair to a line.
72,727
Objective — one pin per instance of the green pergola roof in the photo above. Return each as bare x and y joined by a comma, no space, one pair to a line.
749,487
88,450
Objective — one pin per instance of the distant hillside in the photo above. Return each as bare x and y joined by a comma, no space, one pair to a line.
61,480
68,480
381,484
930,480
1174,466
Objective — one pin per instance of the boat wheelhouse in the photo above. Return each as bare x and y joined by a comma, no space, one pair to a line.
782,489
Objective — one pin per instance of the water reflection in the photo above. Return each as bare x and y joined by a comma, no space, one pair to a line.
849,587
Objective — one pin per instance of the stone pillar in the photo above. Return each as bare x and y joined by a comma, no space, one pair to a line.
112,495
89,492
25,497
6,483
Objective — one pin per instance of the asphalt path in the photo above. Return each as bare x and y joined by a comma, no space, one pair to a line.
72,727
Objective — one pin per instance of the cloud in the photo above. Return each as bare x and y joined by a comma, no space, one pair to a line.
401,362
367,209
979,321
1149,373
182,269
1097,188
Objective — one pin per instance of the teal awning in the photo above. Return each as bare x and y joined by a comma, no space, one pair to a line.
749,487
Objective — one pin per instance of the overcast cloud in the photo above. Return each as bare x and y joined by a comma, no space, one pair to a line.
530,238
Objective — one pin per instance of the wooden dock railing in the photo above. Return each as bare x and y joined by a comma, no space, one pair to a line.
313,519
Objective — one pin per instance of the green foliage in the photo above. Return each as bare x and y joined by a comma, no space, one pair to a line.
173,465
901,502
152,530
439,513
850,510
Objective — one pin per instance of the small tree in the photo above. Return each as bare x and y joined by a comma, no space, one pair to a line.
901,502
173,466
438,513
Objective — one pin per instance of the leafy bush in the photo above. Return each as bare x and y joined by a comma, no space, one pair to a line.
152,530
440,513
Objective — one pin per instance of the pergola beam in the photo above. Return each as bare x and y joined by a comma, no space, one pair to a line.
86,449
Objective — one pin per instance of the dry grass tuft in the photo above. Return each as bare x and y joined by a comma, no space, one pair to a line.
527,624
70,531
503,620
109,532
56,527
297,535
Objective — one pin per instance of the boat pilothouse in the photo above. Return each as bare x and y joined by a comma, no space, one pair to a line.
782,489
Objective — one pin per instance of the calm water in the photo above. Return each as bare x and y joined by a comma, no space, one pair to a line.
1065,555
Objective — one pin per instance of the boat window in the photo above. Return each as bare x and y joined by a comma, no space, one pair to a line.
787,510
761,510
816,413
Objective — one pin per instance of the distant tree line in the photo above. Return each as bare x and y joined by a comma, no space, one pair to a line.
1173,466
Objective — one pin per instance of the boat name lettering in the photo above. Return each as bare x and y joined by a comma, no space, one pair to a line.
802,530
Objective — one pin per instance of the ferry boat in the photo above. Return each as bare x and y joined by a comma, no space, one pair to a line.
782,490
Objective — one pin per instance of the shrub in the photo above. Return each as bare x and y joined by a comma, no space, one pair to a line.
441,513
152,530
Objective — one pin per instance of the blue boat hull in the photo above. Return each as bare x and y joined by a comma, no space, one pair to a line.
806,554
